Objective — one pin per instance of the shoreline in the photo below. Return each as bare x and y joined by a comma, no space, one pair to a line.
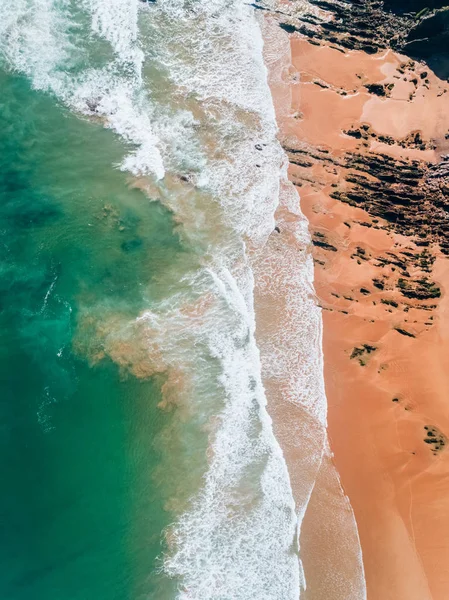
289,333
359,122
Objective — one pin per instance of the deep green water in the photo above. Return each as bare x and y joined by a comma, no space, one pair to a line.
81,514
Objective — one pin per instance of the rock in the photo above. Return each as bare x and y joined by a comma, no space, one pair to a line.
414,27
429,40
404,332
324,245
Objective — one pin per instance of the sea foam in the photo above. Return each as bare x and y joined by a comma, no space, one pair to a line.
238,538
55,44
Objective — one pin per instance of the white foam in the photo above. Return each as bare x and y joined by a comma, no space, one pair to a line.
238,538
48,293
44,40
116,21
223,68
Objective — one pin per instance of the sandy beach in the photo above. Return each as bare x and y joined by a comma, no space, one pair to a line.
365,133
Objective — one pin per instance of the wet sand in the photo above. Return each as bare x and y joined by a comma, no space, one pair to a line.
385,307
288,332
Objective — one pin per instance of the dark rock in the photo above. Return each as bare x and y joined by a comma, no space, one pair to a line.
436,438
404,332
376,88
378,284
429,40
421,289
389,302
324,245
288,28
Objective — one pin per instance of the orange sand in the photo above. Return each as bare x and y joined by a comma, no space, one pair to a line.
378,408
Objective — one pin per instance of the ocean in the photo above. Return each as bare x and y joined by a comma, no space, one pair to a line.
139,163
163,415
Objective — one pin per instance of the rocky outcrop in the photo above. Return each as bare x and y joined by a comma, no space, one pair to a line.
417,28
400,182
410,195
360,24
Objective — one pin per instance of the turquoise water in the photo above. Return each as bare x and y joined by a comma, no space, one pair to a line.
80,509
140,173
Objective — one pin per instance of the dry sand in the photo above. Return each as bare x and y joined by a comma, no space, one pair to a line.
387,390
